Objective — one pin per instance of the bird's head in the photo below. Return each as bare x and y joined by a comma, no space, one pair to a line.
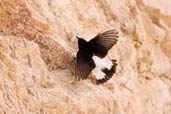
81,43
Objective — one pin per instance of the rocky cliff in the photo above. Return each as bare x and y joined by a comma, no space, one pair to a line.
38,43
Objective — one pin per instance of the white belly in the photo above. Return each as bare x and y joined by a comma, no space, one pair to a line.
101,63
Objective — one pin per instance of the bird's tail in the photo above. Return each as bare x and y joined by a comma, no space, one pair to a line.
109,73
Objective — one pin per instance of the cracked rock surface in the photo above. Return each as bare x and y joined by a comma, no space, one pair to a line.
38,43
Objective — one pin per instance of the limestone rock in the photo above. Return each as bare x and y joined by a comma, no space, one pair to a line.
38,44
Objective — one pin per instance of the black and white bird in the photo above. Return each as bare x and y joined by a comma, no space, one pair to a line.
92,57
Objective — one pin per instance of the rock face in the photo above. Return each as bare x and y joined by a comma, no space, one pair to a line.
38,43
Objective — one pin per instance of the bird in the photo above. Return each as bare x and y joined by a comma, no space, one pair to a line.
92,57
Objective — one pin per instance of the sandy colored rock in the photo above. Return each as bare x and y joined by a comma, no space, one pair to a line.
38,43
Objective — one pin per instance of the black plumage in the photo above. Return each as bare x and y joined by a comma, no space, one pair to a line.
98,46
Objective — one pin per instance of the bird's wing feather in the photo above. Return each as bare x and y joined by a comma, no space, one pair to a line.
84,65
102,42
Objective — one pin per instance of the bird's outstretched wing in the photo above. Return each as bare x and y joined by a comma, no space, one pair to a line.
102,42
84,65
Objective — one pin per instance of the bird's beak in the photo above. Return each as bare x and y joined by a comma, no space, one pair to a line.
77,37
